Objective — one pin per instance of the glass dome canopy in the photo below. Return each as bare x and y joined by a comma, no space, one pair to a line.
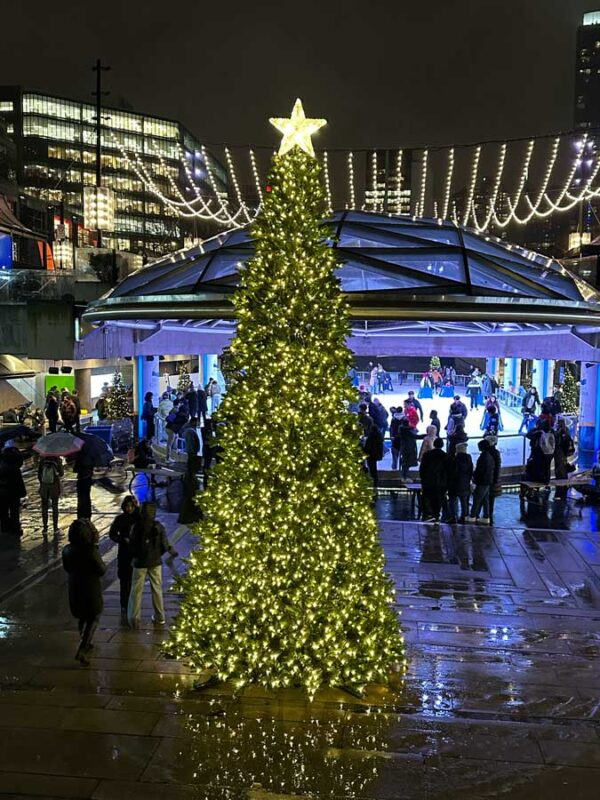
393,267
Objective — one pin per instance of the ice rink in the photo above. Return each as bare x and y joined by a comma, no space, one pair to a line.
510,442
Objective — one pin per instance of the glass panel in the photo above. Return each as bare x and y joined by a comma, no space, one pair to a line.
223,265
357,279
548,278
484,275
437,234
178,280
448,266
359,236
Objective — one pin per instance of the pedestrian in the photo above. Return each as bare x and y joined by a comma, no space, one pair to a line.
483,478
394,426
149,544
175,422
148,412
531,401
85,475
543,445
486,385
554,403
460,473
411,414
456,435
121,532
435,421
458,407
434,479
379,415
406,443
413,401
50,471
77,401
372,445
202,405
474,390
84,566
564,447
496,489
428,440
68,412
373,378
213,393
51,410
12,491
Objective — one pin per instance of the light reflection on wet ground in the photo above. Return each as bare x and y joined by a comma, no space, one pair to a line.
502,695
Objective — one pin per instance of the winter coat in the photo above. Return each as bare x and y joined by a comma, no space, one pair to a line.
416,405
457,436
458,407
412,416
435,421
11,480
378,414
373,444
563,449
85,567
394,427
434,470
192,401
51,490
484,470
149,544
460,474
121,532
406,443
177,424
51,407
148,411
201,401
495,453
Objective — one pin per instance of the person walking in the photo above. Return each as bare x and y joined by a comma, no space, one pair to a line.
121,532
434,478
85,477
394,427
148,543
496,489
563,448
51,410
474,390
12,491
406,443
531,401
372,445
68,412
84,566
460,473
50,471
202,405
457,407
191,398
543,446
77,401
410,414
483,478
148,412
175,422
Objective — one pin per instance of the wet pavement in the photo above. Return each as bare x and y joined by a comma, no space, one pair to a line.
502,696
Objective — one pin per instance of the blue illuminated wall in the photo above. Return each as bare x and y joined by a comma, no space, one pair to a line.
5,251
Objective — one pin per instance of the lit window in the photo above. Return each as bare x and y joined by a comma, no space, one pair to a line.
6,105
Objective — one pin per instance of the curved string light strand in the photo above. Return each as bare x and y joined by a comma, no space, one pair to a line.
399,156
236,186
495,192
327,181
472,184
351,188
448,187
420,212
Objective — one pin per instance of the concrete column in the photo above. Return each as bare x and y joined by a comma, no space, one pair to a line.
83,381
542,377
491,367
589,414
512,372
209,367
146,379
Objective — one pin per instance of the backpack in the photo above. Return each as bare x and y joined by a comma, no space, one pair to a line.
547,443
49,473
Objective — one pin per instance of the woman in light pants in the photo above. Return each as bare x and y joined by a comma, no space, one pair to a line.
149,544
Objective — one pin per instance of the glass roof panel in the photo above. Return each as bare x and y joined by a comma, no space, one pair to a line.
357,279
427,234
548,278
447,265
371,238
484,275
223,265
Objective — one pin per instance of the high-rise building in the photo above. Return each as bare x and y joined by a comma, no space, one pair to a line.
587,76
388,181
55,141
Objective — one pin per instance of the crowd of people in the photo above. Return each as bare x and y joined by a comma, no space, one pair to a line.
65,406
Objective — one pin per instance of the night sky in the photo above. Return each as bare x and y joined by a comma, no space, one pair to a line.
384,73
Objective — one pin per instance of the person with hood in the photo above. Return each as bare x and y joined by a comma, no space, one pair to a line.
456,436
50,471
483,478
428,440
191,398
121,532
148,545
84,566
379,415
460,473
496,485
406,443
12,491
434,479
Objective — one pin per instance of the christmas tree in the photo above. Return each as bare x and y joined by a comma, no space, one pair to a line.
289,587
569,393
435,363
118,404
184,381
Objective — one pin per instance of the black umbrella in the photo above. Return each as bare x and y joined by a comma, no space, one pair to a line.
95,451
15,432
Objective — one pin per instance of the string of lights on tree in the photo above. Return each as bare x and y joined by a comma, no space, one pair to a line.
535,188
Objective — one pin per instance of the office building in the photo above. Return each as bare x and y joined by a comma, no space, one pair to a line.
587,76
388,181
55,141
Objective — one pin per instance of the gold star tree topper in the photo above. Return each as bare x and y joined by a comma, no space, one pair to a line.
297,130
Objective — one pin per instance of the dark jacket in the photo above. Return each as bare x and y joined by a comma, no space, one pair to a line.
181,418
120,532
457,436
563,449
497,464
394,426
85,568
378,414
192,402
202,404
460,474
51,407
51,490
406,443
434,470
149,544
458,407
148,410
435,421
11,480
484,471
373,444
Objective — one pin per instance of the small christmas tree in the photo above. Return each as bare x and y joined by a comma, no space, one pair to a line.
184,378
117,400
435,363
289,588
569,393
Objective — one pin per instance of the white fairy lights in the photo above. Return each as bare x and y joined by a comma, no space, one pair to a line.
420,208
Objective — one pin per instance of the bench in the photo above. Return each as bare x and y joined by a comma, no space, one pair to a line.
576,479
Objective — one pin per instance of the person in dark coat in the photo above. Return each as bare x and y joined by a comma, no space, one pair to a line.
394,427
483,478
148,544
458,435
191,398
434,480
458,407
84,566
496,486
12,491
539,463
373,449
563,448
460,473
202,405
51,410
175,422
50,471
406,443
120,532
379,414
77,401
435,421
85,475
148,412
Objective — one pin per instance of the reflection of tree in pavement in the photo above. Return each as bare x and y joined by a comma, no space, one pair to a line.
241,748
